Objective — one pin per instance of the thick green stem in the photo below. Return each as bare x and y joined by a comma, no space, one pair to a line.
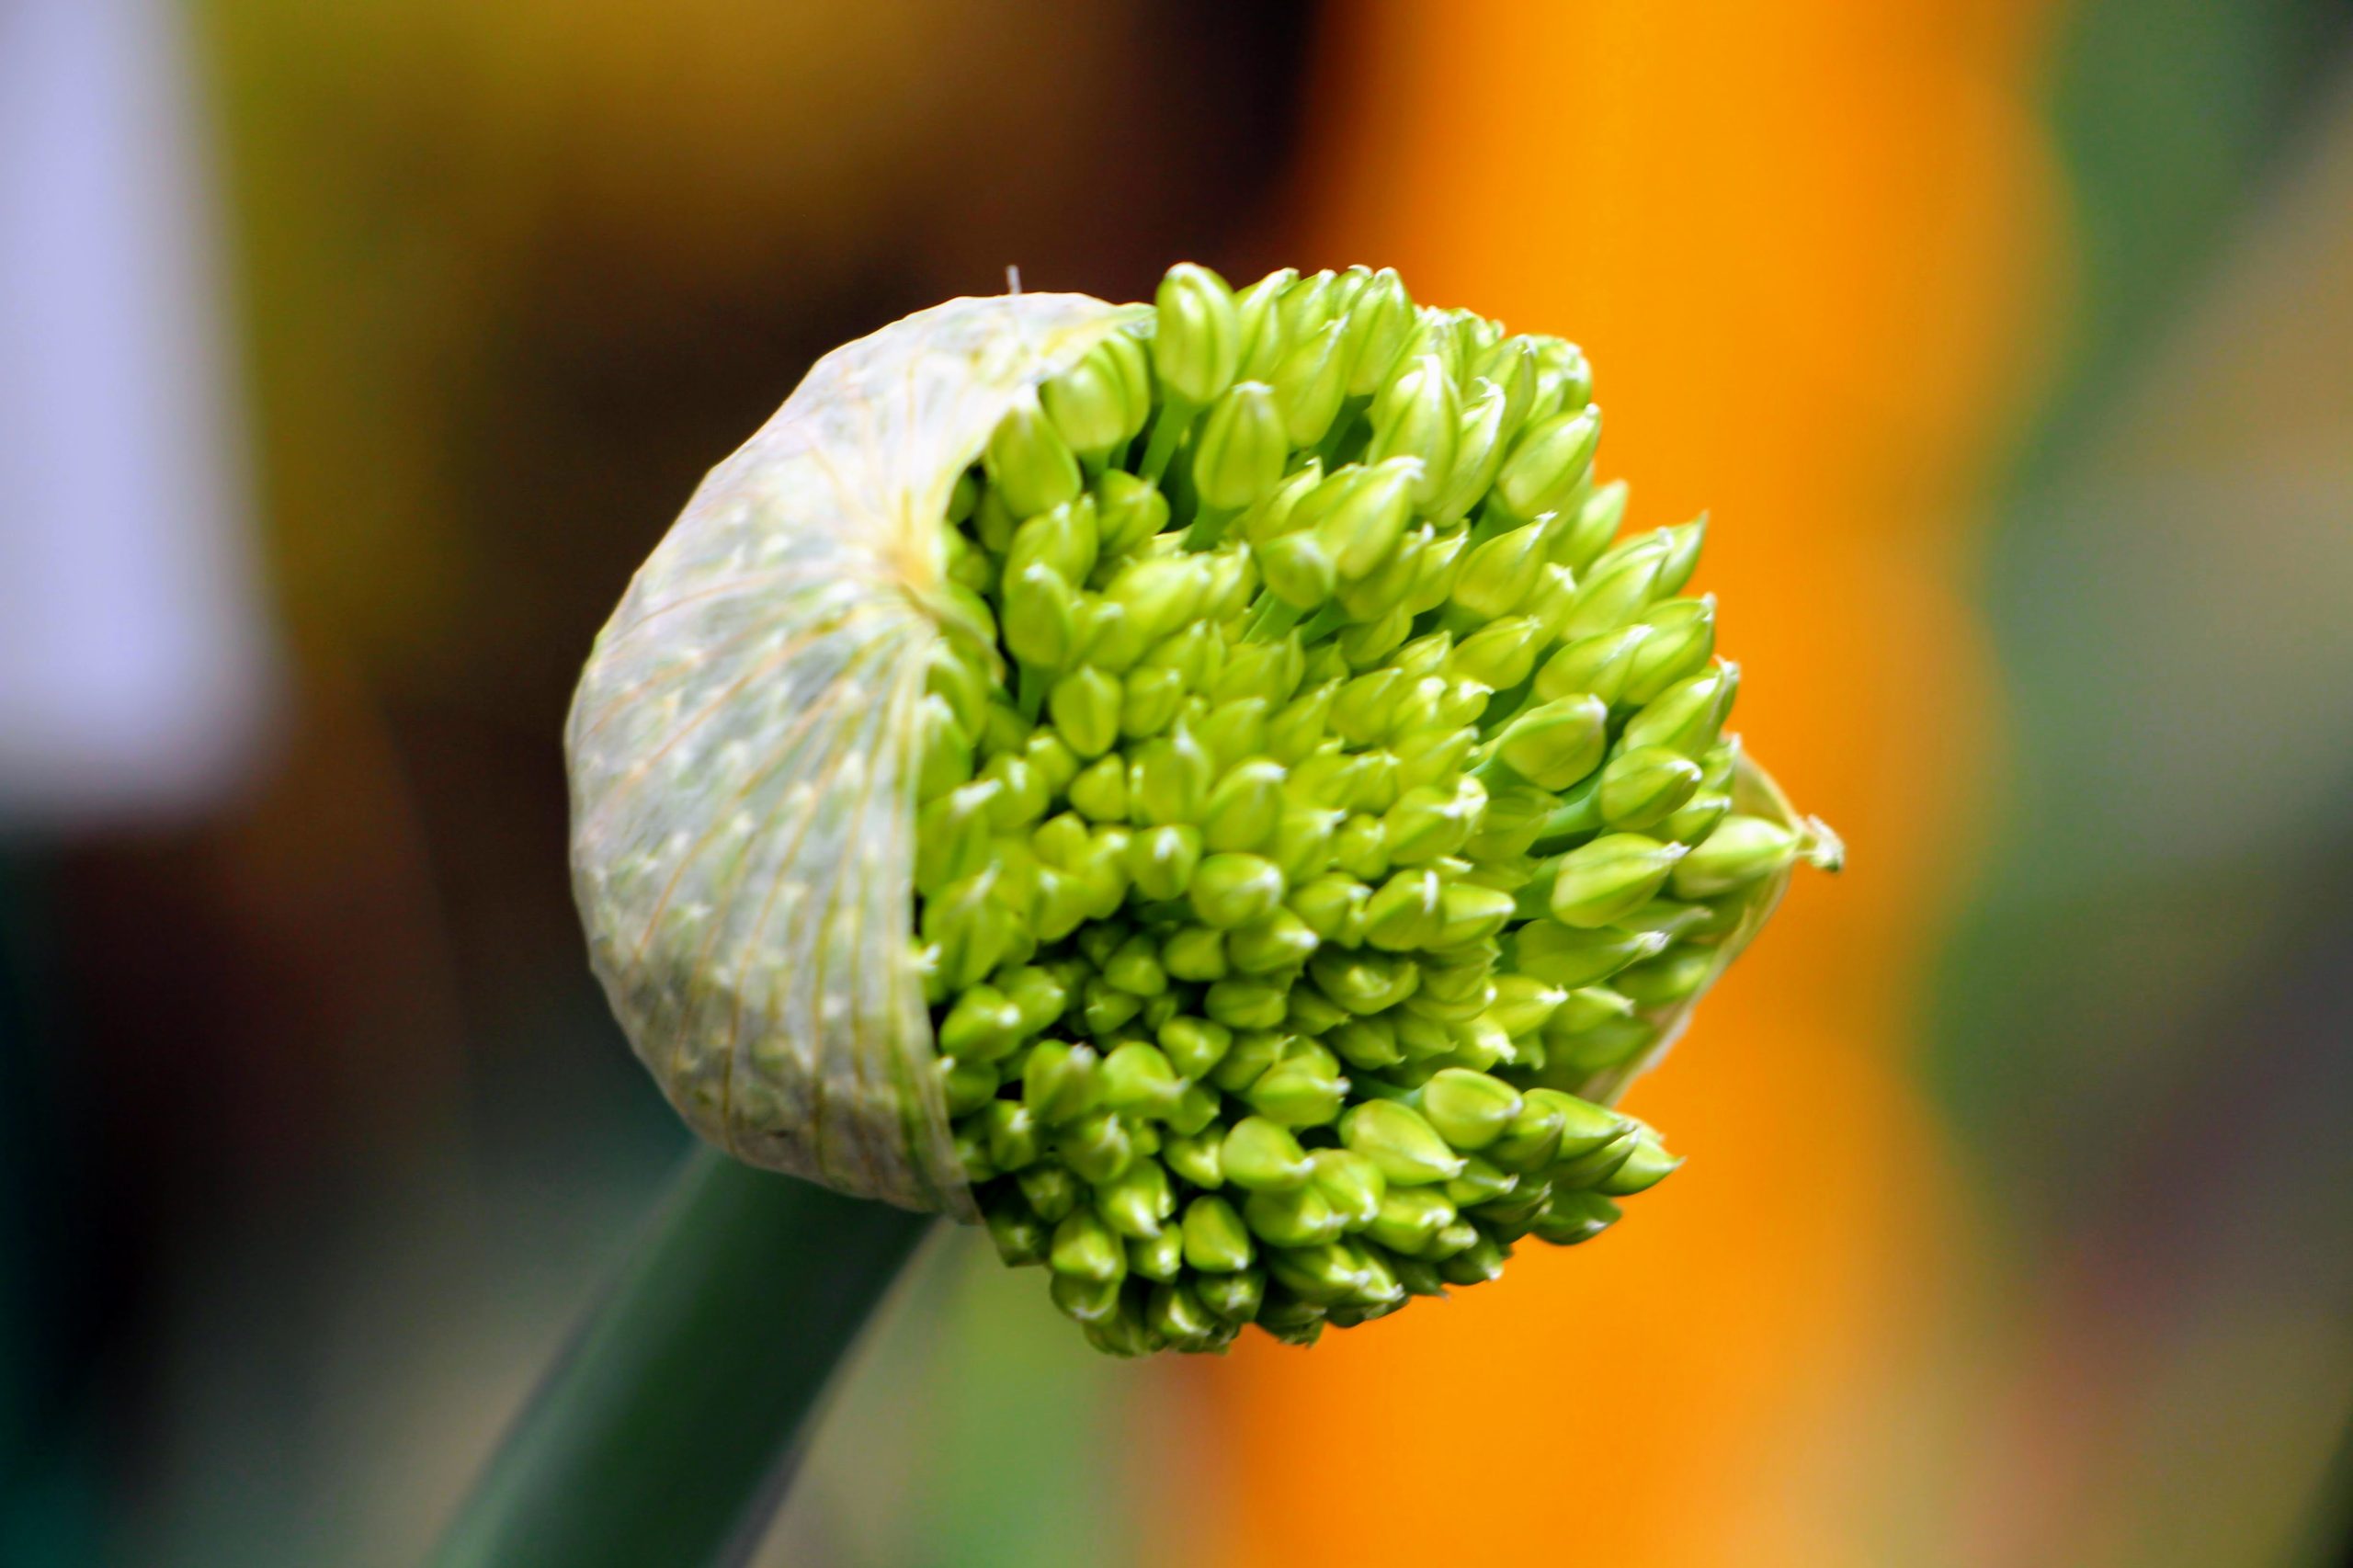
655,1438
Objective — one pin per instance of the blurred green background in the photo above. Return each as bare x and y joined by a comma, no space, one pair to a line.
314,1131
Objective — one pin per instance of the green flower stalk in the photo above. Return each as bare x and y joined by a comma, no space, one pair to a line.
1204,789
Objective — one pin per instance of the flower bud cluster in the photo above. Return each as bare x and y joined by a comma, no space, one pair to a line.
1354,799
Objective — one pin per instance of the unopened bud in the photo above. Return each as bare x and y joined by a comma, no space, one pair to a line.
1645,786
1740,851
1556,743
1687,716
1196,334
1396,1139
1239,451
1030,463
1547,463
1262,1156
1571,958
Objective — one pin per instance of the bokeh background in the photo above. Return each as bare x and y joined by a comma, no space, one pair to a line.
352,354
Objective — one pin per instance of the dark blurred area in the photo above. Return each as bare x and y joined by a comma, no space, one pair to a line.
351,358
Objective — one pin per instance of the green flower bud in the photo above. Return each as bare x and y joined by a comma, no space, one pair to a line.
1645,786
968,932
1161,861
1669,977
1482,1181
1740,851
1395,1138
1301,846
1029,462
1649,1164
1369,1044
1236,889
1310,383
1196,954
968,1085
1499,575
1573,959
1427,822
1149,700
1470,1110
1419,414
1483,436
1092,404
1697,819
1499,654
1233,1298
1099,793
1194,1046
1258,310
1687,716
1611,877
1298,569
1104,1008
1159,594
1530,1142
1060,1082
1138,1081
1011,1134
1096,1307
1195,1156
1352,1184
945,753
1556,743
1252,1054
1410,1218
1298,1093
1363,982
1170,781
1379,321
1244,807
1159,1256
1097,1147
1216,1241
981,1026
1281,941
1086,1249
1681,554
1291,1217
1331,907
1361,514
1360,847
1086,709
1239,450
1587,527
1325,1274
1616,590
1233,731
1547,463
1197,1107
1263,1156
1367,645
1021,798
1246,1004
1041,617
1573,1217
1128,511
1589,1007
1196,337
1049,1191
1134,1203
